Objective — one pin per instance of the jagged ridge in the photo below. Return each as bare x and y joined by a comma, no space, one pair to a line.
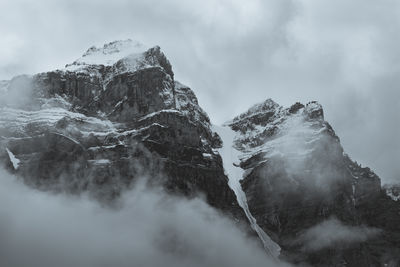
296,175
107,119
117,113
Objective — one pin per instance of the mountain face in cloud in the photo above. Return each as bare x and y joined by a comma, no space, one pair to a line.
101,121
333,233
342,53
148,228
117,114
296,176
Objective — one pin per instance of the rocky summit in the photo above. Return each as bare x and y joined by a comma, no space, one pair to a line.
117,115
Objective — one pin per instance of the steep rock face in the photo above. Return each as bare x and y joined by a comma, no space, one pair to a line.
117,114
297,175
111,117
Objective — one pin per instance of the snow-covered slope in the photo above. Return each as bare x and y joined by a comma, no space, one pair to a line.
118,57
114,115
117,114
24,123
265,131
230,159
110,53
15,162
290,170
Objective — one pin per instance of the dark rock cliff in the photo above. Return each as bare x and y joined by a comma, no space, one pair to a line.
297,176
100,127
113,117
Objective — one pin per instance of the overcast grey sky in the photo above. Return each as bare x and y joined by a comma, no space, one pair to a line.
345,54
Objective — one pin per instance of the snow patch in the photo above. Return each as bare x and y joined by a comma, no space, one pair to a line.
395,196
55,102
95,148
267,106
18,119
207,156
100,161
159,112
15,162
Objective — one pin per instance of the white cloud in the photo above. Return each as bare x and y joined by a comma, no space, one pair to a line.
333,233
341,53
148,228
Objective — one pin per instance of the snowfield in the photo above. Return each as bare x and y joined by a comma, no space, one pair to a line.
230,159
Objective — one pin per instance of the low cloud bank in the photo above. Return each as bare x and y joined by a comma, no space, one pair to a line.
149,228
332,232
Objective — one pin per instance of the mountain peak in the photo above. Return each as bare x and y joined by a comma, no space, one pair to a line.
267,104
110,53
264,107
117,46
314,110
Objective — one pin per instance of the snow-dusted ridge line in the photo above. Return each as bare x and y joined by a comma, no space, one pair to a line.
230,157
110,53
159,112
49,117
257,109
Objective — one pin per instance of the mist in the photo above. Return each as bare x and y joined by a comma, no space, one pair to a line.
340,53
305,152
332,233
148,228
19,93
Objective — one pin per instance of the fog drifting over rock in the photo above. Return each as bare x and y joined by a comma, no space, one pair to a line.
342,54
149,228
332,232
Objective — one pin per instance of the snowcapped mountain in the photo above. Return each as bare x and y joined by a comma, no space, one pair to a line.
294,174
108,119
117,114
110,54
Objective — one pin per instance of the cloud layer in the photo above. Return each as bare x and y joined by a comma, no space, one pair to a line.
333,233
149,228
343,54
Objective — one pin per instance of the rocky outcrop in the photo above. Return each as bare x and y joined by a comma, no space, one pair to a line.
112,117
117,115
296,175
